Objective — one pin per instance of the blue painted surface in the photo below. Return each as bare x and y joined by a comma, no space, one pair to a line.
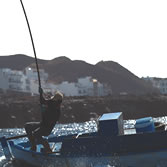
144,120
105,146
6,148
146,150
96,144
145,125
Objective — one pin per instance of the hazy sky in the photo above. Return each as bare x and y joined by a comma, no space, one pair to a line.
130,32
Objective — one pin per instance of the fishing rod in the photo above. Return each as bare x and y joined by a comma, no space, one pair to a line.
36,61
3,140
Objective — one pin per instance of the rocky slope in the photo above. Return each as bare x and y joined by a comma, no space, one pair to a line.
16,109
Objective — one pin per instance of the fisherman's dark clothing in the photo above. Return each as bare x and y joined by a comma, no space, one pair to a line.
50,115
34,132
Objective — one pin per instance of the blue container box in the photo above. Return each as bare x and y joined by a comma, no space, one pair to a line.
111,124
145,125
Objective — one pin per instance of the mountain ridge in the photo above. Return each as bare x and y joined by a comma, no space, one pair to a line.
62,68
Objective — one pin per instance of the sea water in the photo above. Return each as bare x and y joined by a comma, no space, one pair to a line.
66,129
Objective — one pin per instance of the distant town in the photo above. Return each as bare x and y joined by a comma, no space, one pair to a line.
27,81
159,83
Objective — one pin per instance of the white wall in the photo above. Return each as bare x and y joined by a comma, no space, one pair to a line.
32,74
28,82
69,89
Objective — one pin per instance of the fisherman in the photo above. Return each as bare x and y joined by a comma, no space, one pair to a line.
50,115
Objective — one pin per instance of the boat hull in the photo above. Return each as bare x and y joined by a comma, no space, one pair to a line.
57,160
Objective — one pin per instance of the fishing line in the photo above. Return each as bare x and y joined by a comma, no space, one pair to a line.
36,61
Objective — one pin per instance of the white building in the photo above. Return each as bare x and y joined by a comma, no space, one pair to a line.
20,81
32,82
32,74
160,83
27,81
83,87
11,79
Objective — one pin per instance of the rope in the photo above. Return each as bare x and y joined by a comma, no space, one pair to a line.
36,61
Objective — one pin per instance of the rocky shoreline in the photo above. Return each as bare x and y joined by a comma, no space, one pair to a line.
17,108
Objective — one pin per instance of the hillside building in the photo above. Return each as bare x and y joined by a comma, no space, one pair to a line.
27,81
20,81
159,83
32,79
83,87
11,79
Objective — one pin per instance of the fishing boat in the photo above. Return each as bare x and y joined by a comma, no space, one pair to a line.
146,146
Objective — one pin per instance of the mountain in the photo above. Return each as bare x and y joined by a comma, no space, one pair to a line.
122,79
63,69
112,73
18,61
